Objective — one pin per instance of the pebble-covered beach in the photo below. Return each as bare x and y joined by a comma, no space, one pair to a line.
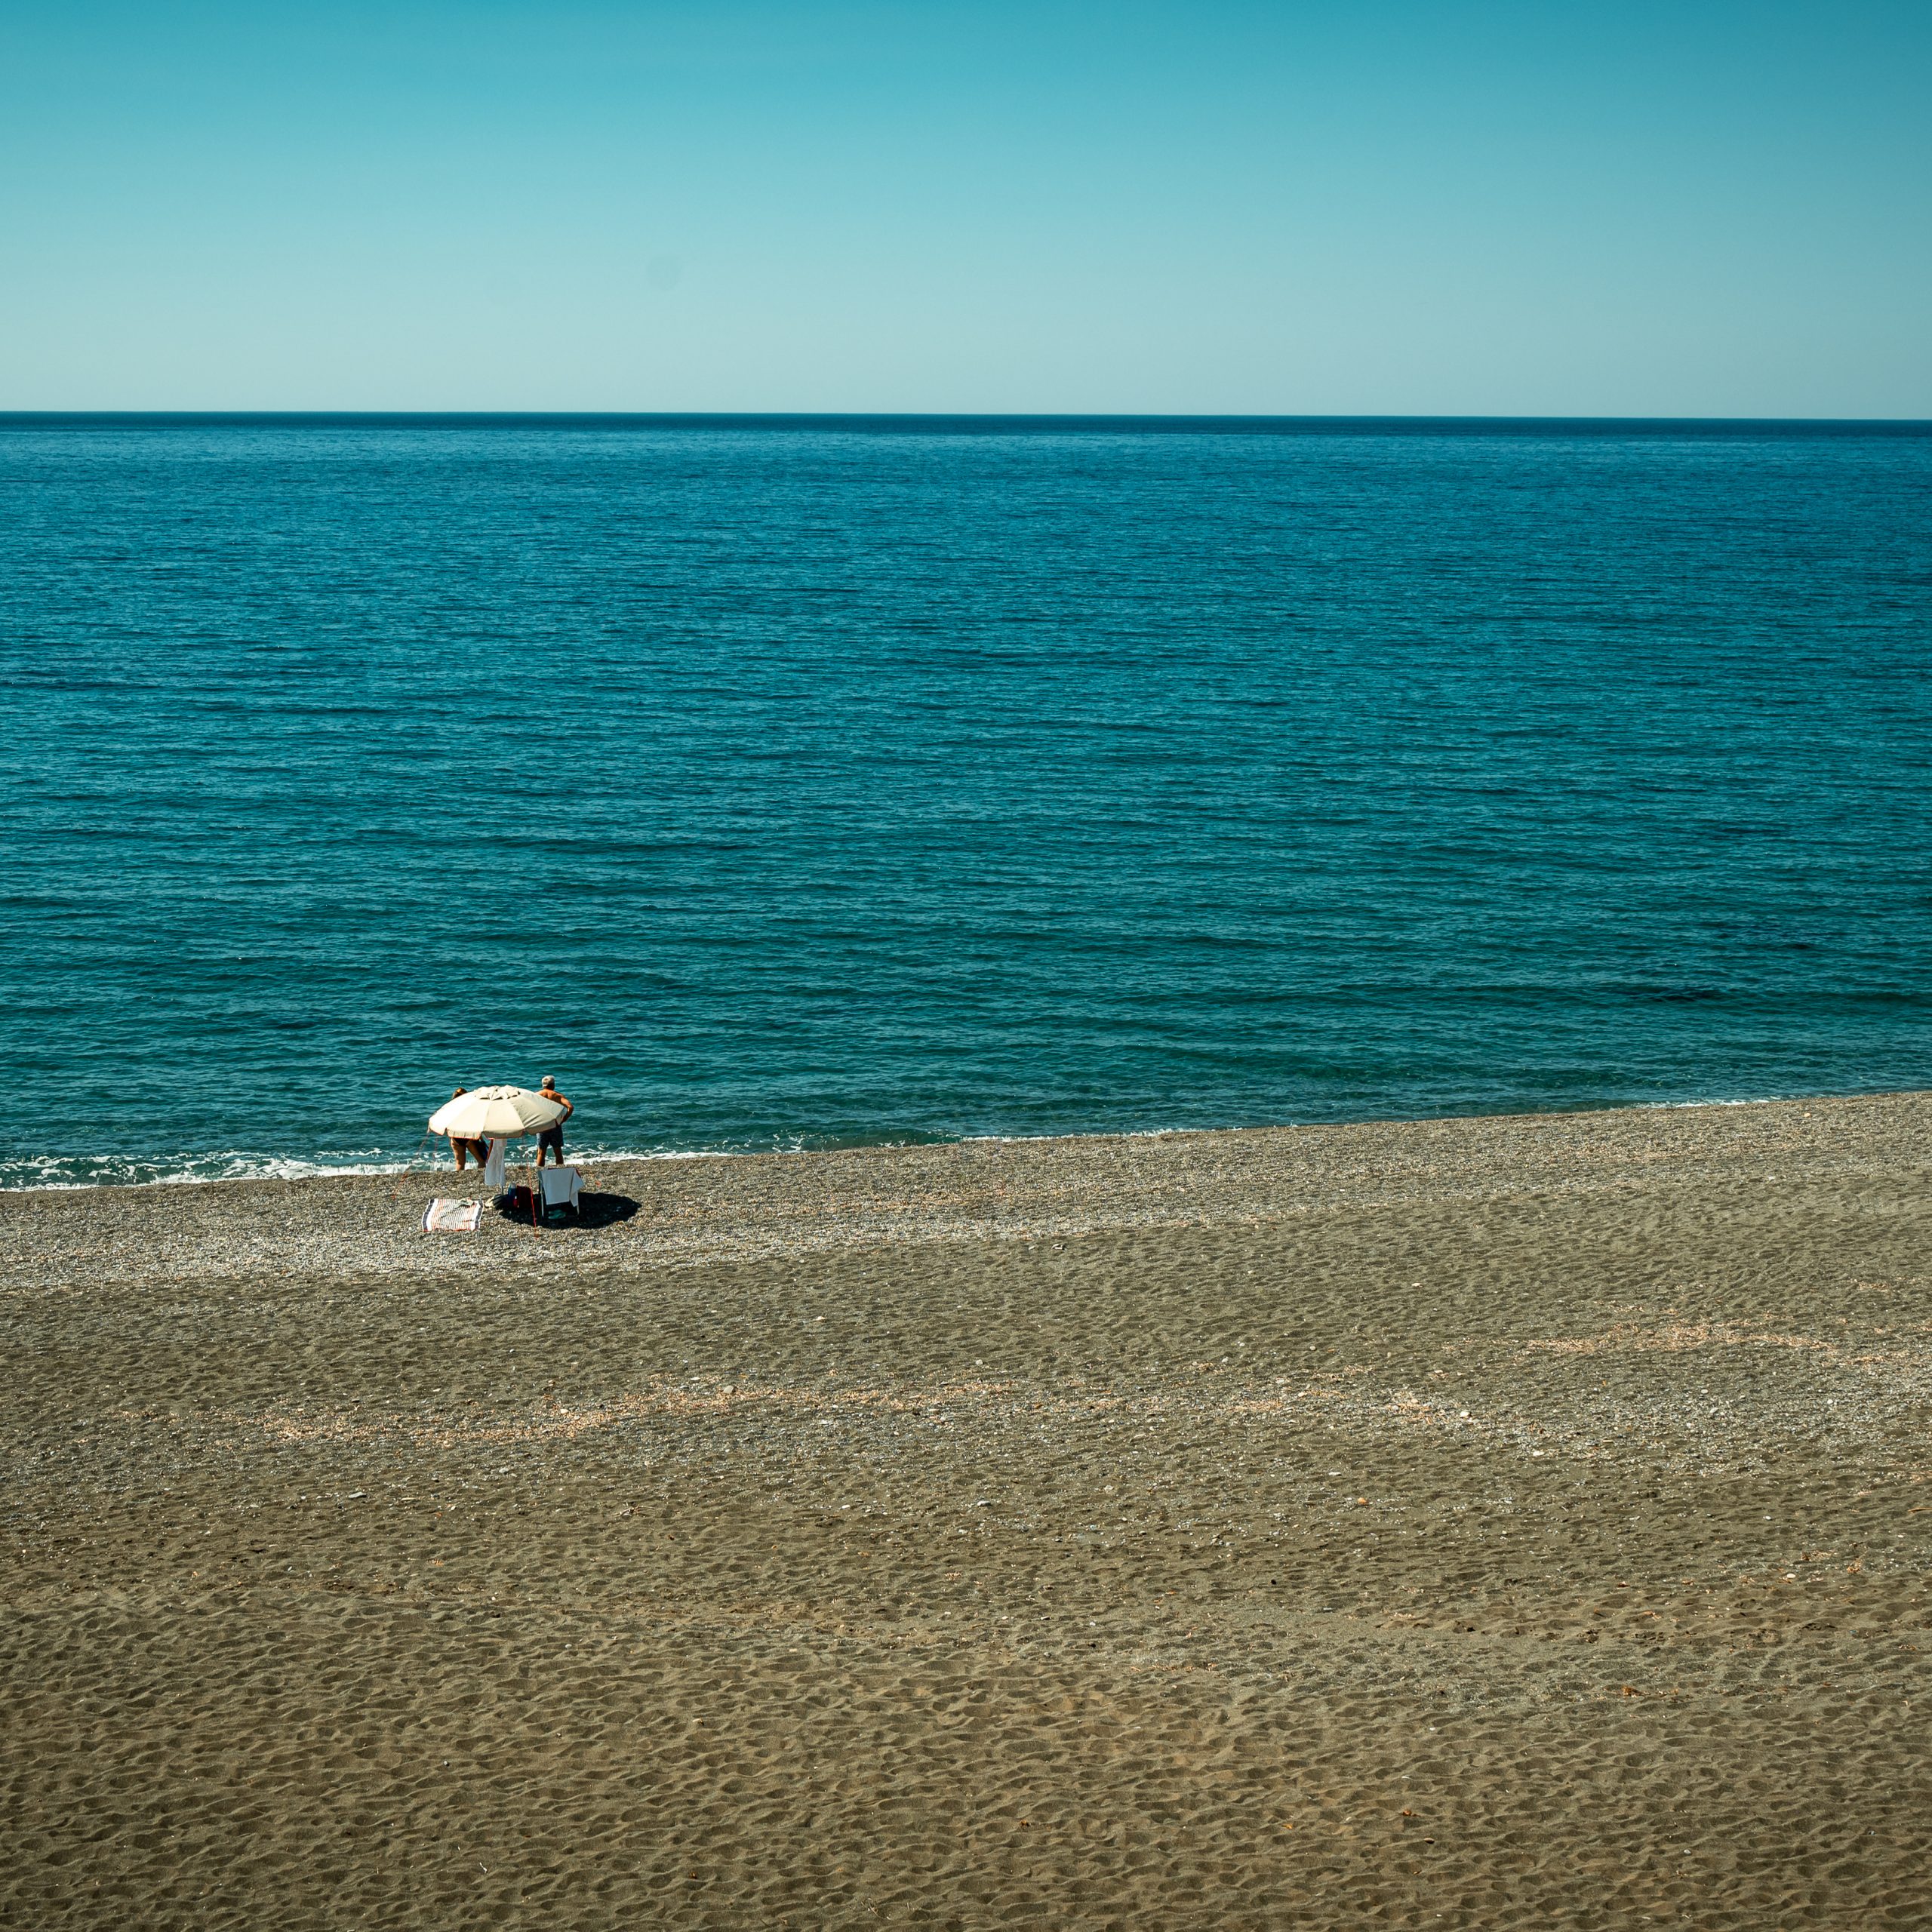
1517,1522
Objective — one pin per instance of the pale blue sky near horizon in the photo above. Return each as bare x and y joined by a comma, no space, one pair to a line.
1482,208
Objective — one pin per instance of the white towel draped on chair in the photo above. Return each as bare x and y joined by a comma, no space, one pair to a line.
562,1186
492,1171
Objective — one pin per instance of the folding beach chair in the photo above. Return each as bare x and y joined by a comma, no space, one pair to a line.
558,1191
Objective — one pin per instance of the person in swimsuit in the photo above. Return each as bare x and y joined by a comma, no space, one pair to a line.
551,1139
459,1147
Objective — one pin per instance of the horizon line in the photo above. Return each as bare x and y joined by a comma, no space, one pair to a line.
980,421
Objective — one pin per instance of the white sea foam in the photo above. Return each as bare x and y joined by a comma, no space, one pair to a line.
66,1172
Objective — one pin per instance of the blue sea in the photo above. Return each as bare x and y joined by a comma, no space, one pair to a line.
801,782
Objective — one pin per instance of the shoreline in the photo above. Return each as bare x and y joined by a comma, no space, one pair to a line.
310,1170
709,1208
713,1204
763,1206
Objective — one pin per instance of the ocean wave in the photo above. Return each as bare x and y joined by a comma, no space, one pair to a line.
65,1172
74,1170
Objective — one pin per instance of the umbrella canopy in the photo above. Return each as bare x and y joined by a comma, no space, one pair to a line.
488,1113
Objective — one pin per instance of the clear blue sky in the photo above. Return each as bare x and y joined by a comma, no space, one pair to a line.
1671,209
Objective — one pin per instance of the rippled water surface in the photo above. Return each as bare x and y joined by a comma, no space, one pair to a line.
815,783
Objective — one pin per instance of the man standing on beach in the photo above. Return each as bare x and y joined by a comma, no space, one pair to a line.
552,1138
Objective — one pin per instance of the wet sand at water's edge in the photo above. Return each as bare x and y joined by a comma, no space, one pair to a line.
1478,1523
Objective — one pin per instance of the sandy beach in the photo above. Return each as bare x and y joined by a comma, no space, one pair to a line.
1503,1522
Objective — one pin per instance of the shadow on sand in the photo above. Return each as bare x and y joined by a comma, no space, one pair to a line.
603,1211
593,1210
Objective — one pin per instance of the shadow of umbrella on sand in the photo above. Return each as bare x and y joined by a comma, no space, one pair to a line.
498,1113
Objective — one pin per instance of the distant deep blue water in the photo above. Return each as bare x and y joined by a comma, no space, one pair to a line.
803,782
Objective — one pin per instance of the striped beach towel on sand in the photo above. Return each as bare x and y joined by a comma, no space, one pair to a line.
445,1217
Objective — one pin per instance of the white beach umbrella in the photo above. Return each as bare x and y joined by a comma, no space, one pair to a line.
488,1113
